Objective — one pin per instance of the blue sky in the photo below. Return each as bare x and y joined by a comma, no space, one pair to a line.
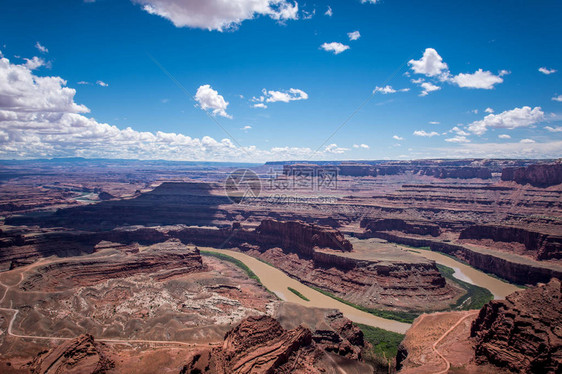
274,79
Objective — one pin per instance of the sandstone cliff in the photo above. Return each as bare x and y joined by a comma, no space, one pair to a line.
394,224
301,236
522,333
544,246
539,175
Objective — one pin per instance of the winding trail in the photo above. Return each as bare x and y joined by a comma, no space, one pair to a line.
434,346
108,341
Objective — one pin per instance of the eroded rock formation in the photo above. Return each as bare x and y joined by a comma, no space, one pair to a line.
77,356
170,258
522,333
261,345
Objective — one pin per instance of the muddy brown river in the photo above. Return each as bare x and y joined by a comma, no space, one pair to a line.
497,287
278,282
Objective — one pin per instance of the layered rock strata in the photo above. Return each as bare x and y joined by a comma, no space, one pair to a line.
544,246
261,345
522,333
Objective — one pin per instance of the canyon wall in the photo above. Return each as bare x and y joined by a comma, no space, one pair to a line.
515,272
301,236
461,172
545,245
407,226
539,175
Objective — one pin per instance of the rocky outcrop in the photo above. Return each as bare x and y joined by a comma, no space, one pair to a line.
301,236
261,345
544,245
77,356
465,172
394,224
105,196
522,333
538,175
340,336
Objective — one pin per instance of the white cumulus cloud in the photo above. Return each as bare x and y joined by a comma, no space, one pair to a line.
39,118
102,84
353,35
553,129
34,63
210,99
527,141
458,139
329,12
547,71
510,119
333,148
557,98
364,146
479,79
334,47
431,65
425,133
427,87
504,136
285,96
218,14
388,90
397,137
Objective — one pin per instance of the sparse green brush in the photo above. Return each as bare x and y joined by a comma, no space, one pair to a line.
298,294
384,347
383,341
401,316
475,298
240,264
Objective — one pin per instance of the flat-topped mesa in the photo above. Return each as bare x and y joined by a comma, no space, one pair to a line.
522,333
301,236
396,224
464,172
545,246
538,175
